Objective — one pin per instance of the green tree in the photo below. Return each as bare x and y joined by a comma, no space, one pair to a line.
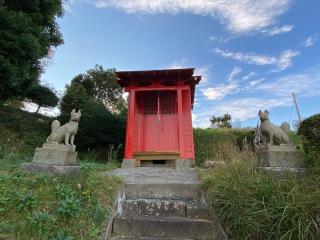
28,30
221,121
101,86
43,96
75,97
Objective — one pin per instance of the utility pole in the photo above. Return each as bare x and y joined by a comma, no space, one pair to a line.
296,105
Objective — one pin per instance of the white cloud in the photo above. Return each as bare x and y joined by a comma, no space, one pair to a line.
249,75
240,16
220,91
235,71
245,108
305,84
310,41
254,83
278,30
281,62
199,71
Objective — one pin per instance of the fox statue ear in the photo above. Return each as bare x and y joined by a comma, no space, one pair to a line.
267,112
79,112
259,112
73,111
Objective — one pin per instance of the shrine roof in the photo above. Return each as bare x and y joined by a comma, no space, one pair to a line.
185,75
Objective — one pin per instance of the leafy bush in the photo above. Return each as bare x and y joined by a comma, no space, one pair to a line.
70,206
26,200
310,131
251,205
60,207
40,222
62,235
98,128
20,133
213,144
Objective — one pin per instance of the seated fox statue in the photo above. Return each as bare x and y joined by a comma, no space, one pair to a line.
65,134
270,133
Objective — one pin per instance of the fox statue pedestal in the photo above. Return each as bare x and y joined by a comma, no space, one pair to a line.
54,159
275,153
58,155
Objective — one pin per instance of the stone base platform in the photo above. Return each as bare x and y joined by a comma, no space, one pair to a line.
56,154
283,172
50,169
286,156
178,164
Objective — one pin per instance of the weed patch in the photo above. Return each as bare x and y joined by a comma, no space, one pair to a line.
252,205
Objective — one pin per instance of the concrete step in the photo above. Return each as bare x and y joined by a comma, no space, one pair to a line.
182,191
167,227
164,208
143,238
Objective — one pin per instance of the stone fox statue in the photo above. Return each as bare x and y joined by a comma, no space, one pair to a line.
66,132
275,134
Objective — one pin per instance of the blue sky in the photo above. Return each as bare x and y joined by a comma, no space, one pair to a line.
252,54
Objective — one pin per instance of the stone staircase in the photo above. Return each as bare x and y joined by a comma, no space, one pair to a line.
164,205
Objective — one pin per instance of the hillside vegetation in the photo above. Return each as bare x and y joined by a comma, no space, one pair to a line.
37,206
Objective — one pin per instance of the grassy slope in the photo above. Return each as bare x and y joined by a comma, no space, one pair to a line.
35,206
252,205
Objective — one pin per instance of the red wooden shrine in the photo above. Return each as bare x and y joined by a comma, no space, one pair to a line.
159,116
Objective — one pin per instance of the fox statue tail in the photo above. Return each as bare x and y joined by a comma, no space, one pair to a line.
54,126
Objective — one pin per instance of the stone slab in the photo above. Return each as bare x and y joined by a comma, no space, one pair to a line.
159,183
153,175
184,163
50,169
161,227
164,208
128,163
283,172
55,156
143,238
163,191
280,156
130,207
60,147
197,210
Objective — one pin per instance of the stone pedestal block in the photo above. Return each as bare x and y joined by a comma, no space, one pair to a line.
128,163
184,163
53,159
50,169
280,156
56,154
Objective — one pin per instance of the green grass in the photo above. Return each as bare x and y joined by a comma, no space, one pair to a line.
37,206
252,205
209,143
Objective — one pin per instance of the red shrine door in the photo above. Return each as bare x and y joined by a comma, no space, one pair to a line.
160,121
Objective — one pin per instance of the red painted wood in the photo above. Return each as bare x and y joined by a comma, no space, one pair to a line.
156,87
158,121
168,124
130,124
188,152
180,122
159,116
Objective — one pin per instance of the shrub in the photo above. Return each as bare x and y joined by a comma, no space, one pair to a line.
26,200
40,222
310,131
70,206
98,128
62,235
213,144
